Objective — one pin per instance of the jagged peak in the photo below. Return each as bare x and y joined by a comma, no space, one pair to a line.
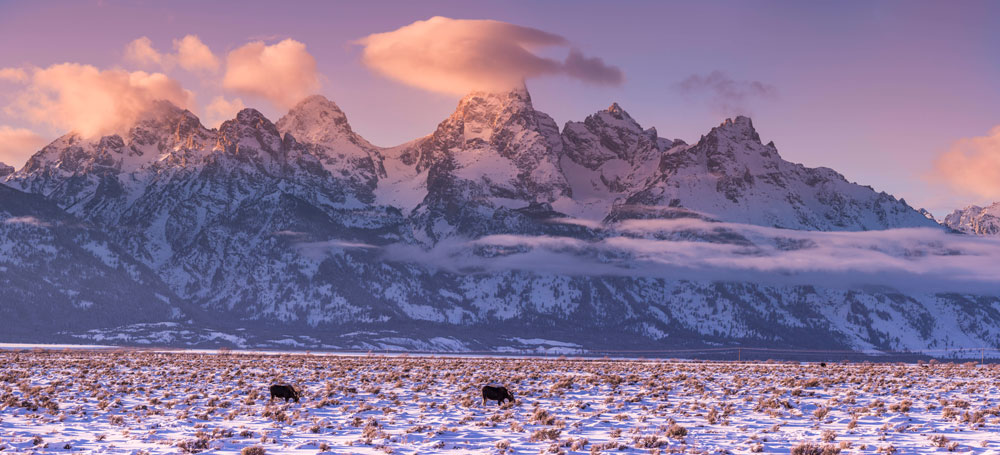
615,115
5,169
739,128
250,115
248,118
517,97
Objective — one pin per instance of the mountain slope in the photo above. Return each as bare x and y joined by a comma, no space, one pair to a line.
58,274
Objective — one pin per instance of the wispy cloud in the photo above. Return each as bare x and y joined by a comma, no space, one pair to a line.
724,94
27,220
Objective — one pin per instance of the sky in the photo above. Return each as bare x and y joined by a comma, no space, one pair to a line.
899,95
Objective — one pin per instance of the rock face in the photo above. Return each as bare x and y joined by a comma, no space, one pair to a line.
607,157
302,233
5,170
976,220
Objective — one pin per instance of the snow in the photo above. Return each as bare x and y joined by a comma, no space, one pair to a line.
106,401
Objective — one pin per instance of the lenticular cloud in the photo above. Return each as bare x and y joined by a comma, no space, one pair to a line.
458,56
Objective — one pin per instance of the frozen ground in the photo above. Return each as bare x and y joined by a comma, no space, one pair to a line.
147,402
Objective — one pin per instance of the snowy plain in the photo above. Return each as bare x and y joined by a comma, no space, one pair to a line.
130,402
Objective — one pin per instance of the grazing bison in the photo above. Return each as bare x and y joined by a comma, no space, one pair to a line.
284,391
497,394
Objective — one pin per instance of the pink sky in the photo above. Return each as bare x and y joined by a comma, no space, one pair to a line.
895,95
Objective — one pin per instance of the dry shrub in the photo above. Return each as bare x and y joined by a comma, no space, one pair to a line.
809,448
545,434
253,450
676,431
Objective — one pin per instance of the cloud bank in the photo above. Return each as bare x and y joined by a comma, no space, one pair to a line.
972,165
282,73
91,101
724,94
18,144
911,260
457,56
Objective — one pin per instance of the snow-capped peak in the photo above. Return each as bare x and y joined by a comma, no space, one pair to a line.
976,220
318,120
5,170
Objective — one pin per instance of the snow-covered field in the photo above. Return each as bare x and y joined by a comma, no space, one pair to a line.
149,402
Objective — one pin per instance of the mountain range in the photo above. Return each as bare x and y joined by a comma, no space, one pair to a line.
499,231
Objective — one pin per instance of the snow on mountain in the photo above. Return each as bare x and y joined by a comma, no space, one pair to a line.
5,170
491,160
496,225
976,220
58,274
322,127
731,175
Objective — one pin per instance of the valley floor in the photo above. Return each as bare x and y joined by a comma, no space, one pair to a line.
123,401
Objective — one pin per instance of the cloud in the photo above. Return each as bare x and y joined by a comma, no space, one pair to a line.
193,55
26,220
92,101
283,73
724,94
972,165
913,260
13,75
221,109
190,53
141,52
18,144
319,250
458,56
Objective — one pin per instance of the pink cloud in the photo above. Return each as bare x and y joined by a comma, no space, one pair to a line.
141,52
190,53
18,75
193,55
18,144
972,165
221,109
459,56
91,101
282,73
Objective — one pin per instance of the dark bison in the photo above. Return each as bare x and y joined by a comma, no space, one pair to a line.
284,391
497,394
